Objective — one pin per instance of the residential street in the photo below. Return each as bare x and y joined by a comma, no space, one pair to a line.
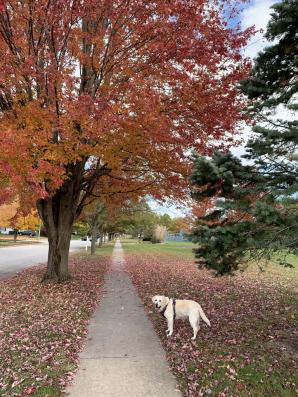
14,259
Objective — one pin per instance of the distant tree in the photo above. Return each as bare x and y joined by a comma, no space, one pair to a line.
7,212
256,210
81,228
165,220
180,224
96,217
143,221
29,221
13,217
135,218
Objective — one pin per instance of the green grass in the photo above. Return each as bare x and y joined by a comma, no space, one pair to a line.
47,391
253,377
53,373
272,271
180,249
105,250
76,236
9,242
185,250
5,243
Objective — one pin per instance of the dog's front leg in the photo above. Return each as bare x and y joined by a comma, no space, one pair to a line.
170,326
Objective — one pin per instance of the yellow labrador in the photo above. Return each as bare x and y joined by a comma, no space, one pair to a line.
180,308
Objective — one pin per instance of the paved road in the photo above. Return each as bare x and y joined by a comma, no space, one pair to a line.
14,259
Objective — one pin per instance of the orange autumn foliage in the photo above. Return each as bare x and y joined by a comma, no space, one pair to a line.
7,212
155,80
11,216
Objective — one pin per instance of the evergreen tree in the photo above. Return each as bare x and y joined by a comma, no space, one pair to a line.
256,213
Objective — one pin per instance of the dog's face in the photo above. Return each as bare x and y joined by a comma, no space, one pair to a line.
159,301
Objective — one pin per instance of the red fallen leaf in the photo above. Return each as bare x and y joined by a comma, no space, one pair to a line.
30,390
240,386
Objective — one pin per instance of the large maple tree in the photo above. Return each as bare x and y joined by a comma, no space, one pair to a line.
117,88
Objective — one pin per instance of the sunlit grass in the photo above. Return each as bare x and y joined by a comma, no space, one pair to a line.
262,268
169,248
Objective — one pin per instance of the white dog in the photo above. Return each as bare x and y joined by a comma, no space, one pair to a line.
178,308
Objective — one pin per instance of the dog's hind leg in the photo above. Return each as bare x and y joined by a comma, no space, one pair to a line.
194,322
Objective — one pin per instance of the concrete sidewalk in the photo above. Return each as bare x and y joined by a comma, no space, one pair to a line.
123,355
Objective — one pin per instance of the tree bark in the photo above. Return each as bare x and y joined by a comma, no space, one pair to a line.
95,221
58,214
100,240
94,232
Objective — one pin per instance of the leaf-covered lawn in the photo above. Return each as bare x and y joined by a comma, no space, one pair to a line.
251,348
43,326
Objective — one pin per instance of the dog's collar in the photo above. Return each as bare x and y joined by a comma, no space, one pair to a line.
174,308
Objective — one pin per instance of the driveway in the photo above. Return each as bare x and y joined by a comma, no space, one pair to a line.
14,259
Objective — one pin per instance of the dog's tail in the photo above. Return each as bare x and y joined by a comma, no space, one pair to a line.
203,316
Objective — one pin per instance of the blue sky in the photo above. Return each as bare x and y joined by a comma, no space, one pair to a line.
256,12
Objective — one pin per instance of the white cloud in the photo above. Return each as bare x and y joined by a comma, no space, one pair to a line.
171,209
244,135
258,14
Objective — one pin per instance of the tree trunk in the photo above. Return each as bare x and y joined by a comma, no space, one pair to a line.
96,223
58,214
100,240
94,232
59,242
